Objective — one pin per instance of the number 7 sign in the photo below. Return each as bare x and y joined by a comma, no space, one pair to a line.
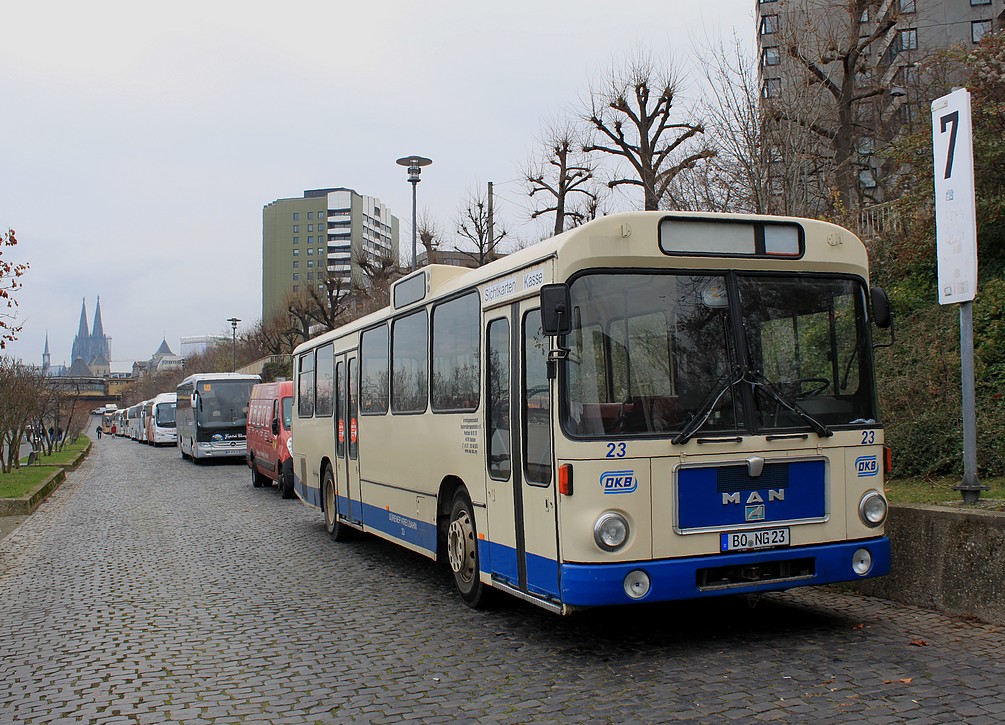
955,212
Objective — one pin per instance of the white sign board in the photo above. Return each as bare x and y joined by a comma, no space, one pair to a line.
955,212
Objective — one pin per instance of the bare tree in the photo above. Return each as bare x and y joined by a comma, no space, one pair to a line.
429,235
20,389
736,178
835,51
561,171
10,282
633,114
379,272
473,225
330,301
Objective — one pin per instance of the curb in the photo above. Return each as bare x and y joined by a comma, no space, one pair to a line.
25,505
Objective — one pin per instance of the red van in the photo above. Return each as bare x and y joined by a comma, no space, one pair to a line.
270,448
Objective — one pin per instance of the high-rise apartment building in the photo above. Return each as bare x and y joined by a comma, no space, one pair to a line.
804,60
321,235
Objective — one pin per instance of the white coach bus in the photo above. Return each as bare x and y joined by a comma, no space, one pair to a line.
212,415
161,430
652,406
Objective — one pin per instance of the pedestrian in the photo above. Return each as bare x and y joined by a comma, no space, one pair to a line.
98,431
113,428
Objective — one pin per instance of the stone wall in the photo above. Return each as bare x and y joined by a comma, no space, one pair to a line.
945,559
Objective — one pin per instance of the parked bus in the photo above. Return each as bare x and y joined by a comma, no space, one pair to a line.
146,410
133,422
160,424
107,418
212,412
120,422
652,406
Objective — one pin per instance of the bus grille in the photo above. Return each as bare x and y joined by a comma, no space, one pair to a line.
742,575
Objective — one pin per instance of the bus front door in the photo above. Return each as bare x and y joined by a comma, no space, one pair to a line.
347,438
521,514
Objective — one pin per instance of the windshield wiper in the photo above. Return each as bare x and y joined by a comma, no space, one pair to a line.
758,380
704,411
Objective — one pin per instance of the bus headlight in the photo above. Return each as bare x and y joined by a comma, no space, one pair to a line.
611,531
289,444
872,509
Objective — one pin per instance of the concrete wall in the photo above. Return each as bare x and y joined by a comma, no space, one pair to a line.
947,560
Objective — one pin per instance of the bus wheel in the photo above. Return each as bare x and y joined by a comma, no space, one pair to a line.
286,485
336,529
462,552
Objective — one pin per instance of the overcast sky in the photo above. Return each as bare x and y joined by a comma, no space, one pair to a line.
139,142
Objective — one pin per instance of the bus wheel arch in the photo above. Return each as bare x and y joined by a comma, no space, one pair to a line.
462,551
338,530
449,487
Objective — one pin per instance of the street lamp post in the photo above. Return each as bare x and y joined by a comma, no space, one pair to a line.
233,324
414,164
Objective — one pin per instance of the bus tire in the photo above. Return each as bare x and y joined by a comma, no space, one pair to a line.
257,479
184,455
462,552
336,529
285,484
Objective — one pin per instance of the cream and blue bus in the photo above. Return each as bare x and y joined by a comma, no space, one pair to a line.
652,406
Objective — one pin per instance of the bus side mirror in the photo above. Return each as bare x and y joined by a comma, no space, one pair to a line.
881,307
556,305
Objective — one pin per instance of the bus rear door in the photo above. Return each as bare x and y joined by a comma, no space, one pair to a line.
347,437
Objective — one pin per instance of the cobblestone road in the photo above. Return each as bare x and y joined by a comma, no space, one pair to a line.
150,590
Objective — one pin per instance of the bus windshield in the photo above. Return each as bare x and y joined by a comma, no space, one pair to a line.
224,403
165,415
657,352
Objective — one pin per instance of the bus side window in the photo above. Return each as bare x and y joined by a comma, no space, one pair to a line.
498,408
341,426
536,401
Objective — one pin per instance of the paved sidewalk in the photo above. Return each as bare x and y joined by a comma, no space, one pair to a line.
8,524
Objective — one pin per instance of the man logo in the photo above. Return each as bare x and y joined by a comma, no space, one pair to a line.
618,481
754,513
866,466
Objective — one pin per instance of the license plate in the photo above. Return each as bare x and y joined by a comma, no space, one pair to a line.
749,540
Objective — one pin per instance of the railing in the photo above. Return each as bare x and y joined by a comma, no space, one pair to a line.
256,367
877,219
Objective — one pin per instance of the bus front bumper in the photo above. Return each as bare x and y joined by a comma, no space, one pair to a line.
593,585
221,450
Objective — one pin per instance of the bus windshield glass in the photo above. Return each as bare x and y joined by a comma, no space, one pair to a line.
166,415
224,403
651,354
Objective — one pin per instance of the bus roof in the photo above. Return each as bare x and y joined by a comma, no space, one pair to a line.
198,377
614,241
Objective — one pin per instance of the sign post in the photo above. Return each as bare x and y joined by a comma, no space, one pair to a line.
956,243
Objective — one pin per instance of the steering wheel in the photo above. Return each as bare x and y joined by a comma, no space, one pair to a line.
821,385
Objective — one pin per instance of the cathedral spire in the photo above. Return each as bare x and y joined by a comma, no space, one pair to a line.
99,330
45,353
82,332
82,342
